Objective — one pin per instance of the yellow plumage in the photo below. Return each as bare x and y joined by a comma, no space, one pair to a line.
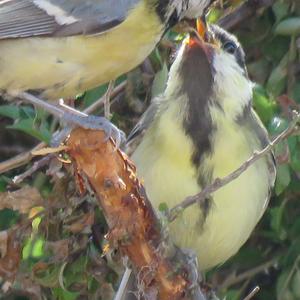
64,67
164,160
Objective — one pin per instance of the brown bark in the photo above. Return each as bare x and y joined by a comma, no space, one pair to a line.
134,227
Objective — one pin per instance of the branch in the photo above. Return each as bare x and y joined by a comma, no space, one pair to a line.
161,271
220,182
24,158
243,12
252,293
234,279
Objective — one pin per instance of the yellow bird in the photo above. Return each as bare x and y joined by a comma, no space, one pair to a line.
59,48
201,128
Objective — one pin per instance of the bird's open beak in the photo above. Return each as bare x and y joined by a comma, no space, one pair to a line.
201,35
201,28
198,33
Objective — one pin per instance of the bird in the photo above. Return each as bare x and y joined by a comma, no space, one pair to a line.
60,48
201,128
53,49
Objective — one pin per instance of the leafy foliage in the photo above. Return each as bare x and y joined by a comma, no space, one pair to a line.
64,240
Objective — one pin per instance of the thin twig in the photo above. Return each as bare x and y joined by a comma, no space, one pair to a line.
123,285
289,277
19,160
107,97
243,12
235,279
220,182
24,158
116,91
36,166
252,293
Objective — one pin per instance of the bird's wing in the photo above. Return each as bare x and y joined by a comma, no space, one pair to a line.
136,135
27,18
257,126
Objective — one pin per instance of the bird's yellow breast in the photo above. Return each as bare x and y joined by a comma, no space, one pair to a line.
64,67
163,161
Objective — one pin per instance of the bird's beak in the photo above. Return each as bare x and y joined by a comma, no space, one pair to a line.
201,35
201,28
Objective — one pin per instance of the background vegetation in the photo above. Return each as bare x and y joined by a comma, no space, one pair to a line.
62,244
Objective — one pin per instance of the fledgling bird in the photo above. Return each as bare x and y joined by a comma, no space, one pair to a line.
60,48
201,128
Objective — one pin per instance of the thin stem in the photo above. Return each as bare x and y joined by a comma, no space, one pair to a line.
221,182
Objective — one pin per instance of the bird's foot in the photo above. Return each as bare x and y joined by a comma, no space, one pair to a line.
74,118
96,123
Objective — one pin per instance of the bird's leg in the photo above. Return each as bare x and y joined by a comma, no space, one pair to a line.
107,95
194,274
75,118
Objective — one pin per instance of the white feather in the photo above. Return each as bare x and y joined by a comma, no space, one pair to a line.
52,10
232,88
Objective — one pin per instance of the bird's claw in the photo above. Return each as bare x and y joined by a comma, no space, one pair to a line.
98,123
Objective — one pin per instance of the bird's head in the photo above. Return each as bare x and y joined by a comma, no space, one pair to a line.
210,67
173,11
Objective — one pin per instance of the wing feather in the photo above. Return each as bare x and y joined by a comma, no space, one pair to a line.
27,18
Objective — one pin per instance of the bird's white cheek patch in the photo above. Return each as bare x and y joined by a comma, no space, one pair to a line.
233,90
52,10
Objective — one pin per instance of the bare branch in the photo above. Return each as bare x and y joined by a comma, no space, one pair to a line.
234,279
243,12
252,293
220,182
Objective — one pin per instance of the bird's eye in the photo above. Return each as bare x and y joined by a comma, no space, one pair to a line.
230,47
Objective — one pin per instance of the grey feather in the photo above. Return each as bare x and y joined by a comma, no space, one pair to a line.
27,18
249,119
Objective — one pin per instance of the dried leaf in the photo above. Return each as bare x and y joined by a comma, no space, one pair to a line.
48,150
82,223
21,200
9,263
60,249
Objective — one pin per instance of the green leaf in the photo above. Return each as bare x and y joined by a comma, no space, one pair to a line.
232,294
293,252
160,80
264,106
27,125
163,207
61,294
290,26
296,92
280,9
283,178
276,221
49,277
277,80
10,111
275,48
213,15
92,95
295,161
15,111
295,286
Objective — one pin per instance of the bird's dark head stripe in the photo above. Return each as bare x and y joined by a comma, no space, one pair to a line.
197,83
223,36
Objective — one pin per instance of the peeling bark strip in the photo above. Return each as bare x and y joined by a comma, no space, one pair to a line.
133,225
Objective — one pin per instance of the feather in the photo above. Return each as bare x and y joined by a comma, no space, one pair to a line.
27,18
